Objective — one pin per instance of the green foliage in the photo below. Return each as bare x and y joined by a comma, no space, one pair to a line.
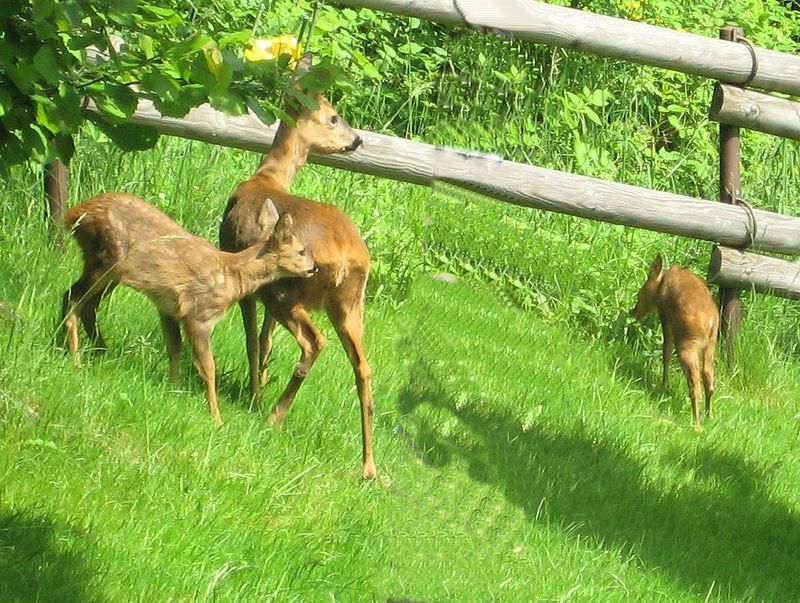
56,56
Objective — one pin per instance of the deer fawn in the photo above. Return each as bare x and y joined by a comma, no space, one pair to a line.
126,240
331,239
689,320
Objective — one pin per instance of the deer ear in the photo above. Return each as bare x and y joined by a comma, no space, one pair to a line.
283,229
304,64
656,266
267,217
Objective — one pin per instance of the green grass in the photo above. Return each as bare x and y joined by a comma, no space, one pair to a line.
525,450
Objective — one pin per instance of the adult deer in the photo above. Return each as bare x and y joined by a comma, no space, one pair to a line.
690,322
331,239
126,240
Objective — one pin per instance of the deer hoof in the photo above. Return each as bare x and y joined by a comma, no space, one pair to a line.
275,418
368,471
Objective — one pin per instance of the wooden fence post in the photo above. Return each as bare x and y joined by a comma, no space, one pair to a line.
729,189
55,190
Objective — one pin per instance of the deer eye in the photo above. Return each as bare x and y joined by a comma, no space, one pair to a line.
334,119
302,253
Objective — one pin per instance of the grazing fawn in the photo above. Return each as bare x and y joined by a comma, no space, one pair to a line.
689,321
331,239
126,240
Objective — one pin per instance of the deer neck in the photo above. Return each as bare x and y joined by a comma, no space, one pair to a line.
248,271
288,154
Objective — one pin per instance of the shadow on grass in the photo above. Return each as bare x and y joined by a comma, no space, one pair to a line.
633,367
720,531
32,568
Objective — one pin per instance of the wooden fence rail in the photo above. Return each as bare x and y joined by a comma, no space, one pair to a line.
738,269
756,111
521,184
729,62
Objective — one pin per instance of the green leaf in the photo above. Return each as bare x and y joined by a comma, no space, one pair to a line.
130,137
69,15
178,105
44,30
214,58
304,99
6,103
122,11
590,113
410,48
83,41
160,83
45,114
13,149
322,76
42,9
34,142
64,146
8,51
114,101
68,107
187,47
236,37
23,75
170,98
163,13
46,64
146,44
262,112
228,102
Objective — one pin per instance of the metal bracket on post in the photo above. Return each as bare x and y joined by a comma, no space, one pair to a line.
730,185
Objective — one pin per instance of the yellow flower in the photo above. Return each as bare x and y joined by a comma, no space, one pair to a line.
268,49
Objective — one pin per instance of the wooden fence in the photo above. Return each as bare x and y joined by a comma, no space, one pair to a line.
731,59
521,184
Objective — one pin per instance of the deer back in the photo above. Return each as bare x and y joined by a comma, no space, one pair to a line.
107,226
686,304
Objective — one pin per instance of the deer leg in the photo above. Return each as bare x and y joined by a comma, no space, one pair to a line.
250,319
265,345
690,363
88,316
172,337
85,288
666,354
708,375
349,326
311,342
200,336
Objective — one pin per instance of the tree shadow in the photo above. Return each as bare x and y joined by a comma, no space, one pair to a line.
33,567
634,367
720,530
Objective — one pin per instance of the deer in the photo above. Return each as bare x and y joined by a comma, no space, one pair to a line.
126,240
689,321
331,238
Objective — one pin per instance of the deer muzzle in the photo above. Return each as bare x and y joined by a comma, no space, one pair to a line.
357,142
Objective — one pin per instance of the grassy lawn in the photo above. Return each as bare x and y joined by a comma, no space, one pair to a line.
524,448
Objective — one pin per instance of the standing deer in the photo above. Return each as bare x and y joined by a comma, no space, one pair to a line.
331,239
126,240
689,321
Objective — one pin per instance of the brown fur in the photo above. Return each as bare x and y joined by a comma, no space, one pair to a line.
126,240
689,321
337,248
